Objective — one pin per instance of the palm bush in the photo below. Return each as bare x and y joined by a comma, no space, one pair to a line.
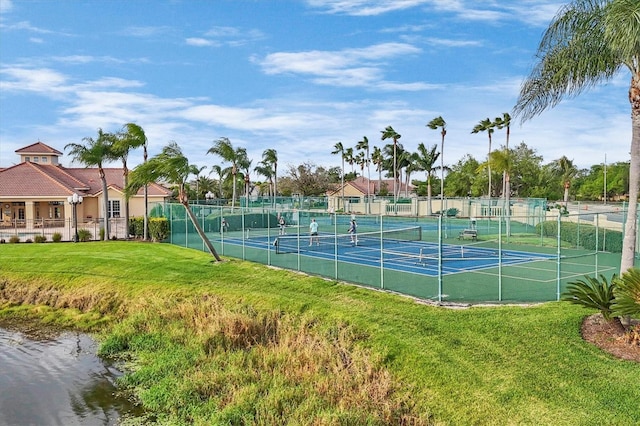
594,293
627,294
85,235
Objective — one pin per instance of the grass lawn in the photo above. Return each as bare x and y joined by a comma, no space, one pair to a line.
242,343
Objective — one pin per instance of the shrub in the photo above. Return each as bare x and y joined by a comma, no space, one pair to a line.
40,238
583,235
627,294
2,241
101,234
158,228
28,240
136,227
56,237
594,293
14,239
85,235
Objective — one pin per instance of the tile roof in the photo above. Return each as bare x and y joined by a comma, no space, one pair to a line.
38,148
360,183
34,179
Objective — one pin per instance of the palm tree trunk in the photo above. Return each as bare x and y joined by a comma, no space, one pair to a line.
630,230
105,197
200,231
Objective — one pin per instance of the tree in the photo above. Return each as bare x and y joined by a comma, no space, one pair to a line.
500,123
130,137
434,124
500,160
565,169
265,169
307,179
363,145
389,133
377,158
338,148
426,158
463,179
199,190
589,42
173,167
270,159
486,125
220,174
94,153
225,150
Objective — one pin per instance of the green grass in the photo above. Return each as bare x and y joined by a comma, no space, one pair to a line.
241,343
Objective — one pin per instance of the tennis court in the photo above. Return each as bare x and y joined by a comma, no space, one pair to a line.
518,260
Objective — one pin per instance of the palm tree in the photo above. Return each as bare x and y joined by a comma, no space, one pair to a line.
173,167
500,123
219,172
349,158
199,190
94,153
377,158
130,137
425,160
224,149
434,124
389,133
270,157
338,148
588,42
244,164
564,168
502,161
363,145
410,163
486,125
264,169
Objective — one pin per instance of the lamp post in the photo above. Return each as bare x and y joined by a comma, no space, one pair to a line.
74,200
208,196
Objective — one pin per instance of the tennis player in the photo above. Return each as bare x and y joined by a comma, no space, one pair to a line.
313,231
353,226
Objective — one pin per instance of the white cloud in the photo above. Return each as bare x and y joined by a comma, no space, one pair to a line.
200,42
6,6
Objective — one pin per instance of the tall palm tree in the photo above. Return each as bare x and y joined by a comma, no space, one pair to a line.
390,133
486,125
270,157
349,158
265,169
434,124
502,161
377,158
130,137
94,153
244,164
588,42
500,123
410,163
566,170
338,148
199,190
173,167
217,169
425,160
225,150
363,145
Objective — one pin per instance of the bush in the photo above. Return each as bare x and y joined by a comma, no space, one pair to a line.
627,294
158,228
592,293
28,240
101,234
85,235
40,238
56,237
14,239
583,235
136,227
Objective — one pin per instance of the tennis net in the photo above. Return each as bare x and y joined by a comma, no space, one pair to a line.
301,243
485,250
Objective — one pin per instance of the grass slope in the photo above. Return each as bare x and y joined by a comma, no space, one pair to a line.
241,343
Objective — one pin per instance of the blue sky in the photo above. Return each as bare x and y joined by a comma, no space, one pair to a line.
297,76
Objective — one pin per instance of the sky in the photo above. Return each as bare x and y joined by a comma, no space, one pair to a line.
297,76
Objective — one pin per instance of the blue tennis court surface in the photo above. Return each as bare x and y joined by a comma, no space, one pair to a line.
419,257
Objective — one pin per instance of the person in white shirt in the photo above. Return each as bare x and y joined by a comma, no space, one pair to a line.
313,231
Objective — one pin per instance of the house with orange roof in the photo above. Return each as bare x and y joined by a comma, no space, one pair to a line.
34,192
356,192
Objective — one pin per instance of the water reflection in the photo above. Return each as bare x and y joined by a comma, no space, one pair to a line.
57,381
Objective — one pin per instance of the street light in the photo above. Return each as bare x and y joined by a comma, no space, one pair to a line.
74,200
208,196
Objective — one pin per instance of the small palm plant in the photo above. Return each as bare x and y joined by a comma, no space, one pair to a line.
627,294
597,294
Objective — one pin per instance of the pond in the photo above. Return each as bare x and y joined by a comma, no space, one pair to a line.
58,380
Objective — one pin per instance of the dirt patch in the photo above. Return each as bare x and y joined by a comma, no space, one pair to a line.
596,330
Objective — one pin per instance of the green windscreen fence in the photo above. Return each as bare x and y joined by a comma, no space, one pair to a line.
507,258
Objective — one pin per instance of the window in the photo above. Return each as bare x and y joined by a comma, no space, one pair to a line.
43,159
114,208
27,159
36,159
